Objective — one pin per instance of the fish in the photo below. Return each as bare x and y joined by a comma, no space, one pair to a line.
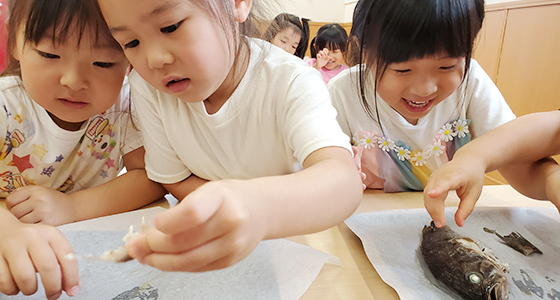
460,263
517,242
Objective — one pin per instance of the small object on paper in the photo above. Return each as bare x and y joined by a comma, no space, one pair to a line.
116,255
463,265
517,242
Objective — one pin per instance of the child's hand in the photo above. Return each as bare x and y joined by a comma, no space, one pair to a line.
38,204
29,248
466,177
322,58
214,227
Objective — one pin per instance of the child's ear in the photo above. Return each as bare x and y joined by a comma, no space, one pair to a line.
242,8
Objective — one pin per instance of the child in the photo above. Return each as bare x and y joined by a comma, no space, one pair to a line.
66,126
218,106
328,49
518,149
290,33
417,96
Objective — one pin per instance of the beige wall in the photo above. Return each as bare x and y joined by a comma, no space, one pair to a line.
339,11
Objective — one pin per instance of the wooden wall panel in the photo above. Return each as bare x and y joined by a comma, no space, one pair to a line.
488,46
529,68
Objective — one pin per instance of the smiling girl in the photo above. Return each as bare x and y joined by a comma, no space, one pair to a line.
416,95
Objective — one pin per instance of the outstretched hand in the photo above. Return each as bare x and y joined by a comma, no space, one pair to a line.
214,227
39,204
464,176
29,248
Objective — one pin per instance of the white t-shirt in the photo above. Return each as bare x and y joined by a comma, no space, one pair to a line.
36,151
279,114
477,104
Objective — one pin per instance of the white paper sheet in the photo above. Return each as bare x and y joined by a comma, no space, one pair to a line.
391,241
276,269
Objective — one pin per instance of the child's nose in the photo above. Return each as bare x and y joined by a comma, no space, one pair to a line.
158,56
424,86
73,78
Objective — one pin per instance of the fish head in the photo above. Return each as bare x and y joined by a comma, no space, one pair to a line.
486,281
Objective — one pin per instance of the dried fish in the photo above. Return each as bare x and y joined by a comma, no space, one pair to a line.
463,265
517,242
117,255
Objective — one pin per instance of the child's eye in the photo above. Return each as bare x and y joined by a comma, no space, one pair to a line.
402,71
104,65
132,44
48,55
447,67
171,28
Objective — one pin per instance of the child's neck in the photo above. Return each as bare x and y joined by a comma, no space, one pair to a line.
66,125
236,74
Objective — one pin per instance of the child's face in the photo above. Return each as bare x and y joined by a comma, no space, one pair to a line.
415,87
288,40
174,45
335,60
72,83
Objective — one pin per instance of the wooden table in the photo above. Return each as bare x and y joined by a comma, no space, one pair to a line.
356,278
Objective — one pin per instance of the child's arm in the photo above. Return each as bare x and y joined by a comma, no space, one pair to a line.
515,149
26,249
181,189
221,222
129,191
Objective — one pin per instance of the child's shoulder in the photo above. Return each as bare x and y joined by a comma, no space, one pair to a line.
275,59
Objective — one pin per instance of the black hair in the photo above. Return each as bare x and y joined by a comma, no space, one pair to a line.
393,31
330,36
54,19
298,25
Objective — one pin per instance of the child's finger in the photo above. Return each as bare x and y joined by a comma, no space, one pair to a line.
469,197
434,201
47,266
23,272
69,267
198,259
197,208
17,196
7,284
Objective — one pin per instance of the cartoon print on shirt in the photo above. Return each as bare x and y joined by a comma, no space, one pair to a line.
101,134
13,140
13,181
67,186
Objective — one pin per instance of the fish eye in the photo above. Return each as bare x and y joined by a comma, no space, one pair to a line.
474,277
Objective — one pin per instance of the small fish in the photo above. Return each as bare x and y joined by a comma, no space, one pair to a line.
517,242
462,265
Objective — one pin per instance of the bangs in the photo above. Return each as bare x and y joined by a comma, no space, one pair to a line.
417,29
332,37
62,19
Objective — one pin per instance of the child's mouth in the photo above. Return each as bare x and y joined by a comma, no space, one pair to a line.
417,104
178,85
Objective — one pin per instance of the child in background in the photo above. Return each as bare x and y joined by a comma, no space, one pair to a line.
518,149
200,87
328,49
290,33
65,127
416,95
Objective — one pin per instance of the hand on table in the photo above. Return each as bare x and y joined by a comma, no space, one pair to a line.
38,204
322,58
466,177
217,225
29,248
